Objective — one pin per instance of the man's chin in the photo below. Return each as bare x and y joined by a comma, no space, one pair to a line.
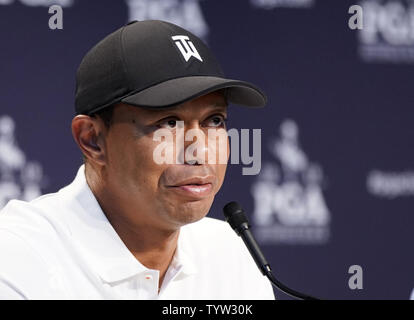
191,212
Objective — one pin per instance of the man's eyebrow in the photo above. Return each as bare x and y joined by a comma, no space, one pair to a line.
219,105
156,113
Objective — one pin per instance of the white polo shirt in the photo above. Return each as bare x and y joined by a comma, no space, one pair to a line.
62,246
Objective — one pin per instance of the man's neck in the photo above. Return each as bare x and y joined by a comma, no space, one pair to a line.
151,246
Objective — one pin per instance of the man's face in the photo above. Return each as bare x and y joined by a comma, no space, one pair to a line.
164,195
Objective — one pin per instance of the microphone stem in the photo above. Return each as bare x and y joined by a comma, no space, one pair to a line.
264,266
283,288
237,219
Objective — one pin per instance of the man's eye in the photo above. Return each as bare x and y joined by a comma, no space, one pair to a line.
169,123
216,121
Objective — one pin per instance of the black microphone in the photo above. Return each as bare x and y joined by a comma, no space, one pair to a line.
237,219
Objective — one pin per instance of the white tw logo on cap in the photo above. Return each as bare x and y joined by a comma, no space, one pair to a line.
186,47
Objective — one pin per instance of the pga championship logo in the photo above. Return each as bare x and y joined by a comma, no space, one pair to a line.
36,3
388,32
272,4
19,178
185,13
289,205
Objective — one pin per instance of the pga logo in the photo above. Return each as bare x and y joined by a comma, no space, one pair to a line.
289,202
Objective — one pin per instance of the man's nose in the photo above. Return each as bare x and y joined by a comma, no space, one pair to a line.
195,151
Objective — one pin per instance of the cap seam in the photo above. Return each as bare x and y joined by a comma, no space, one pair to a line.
178,77
202,92
123,57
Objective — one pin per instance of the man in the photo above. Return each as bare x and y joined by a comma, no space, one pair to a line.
128,226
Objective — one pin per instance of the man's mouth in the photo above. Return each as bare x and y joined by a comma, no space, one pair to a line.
197,187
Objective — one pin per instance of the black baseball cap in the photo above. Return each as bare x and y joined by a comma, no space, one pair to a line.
154,64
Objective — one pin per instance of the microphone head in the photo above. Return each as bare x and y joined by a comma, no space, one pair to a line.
235,216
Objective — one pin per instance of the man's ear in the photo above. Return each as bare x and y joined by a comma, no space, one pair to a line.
88,134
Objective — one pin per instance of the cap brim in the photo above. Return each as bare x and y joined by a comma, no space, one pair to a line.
176,91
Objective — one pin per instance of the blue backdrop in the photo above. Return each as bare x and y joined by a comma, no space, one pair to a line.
336,186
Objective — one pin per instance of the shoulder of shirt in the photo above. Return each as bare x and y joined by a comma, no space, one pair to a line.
26,218
29,236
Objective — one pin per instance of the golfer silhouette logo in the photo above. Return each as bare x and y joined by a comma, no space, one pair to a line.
19,178
289,202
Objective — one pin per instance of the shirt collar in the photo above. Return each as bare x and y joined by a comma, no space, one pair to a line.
101,246
182,258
